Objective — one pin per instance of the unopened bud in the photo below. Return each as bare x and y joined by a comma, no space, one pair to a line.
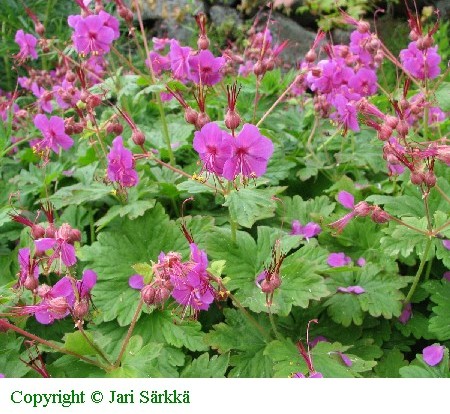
428,41
258,68
232,120
269,64
311,56
203,42
190,115
39,28
81,308
161,295
74,236
363,27
417,178
148,294
402,128
380,216
413,35
362,209
404,104
93,101
50,231
37,232
385,132
31,283
391,121
202,120
84,95
429,178
138,137
70,76
117,128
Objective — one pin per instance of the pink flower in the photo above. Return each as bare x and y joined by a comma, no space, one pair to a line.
308,231
179,60
446,244
121,164
159,63
346,199
44,97
205,68
357,290
54,134
29,270
160,43
111,22
338,260
56,303
406,314
422,64
91,34
364,82
433,354
61,245
446,276
250,154
213,147
27,44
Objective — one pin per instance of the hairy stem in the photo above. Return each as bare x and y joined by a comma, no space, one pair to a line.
419,272
93,344
129,333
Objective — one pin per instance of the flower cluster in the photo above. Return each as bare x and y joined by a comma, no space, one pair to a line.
189,283
121,164
246,155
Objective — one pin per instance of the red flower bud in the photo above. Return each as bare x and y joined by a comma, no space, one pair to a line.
37,232
191,115
232,120
138,137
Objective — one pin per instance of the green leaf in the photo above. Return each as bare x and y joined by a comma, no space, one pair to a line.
204,367
389,366
79,194
251,204
246,342
10,364
314,209
76,342
443,96
132,210
286,357
440,318
120,246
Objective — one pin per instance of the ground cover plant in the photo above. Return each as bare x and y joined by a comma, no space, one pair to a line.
176,210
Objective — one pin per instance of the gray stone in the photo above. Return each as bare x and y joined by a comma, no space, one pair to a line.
221,15
341,36
300,39
168,9
444,8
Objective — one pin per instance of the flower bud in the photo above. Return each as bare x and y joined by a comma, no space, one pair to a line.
93,101
203,42
232,120
70,76
402,128
429,178
50,231
385,132
269,64
417,177
81,308
138,137
148,294
202,120
191,115
391,121
39,28
117,128
258,68
380,216
363,27
428,41
362,209
161,295
311,56
84,95
37,232
74,236
31,283
413,35
3,327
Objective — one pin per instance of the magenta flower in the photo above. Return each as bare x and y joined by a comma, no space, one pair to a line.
159,63
56,304
121,164
357,290
361,262
250,154
194,290
346,199
27,44
446,276
91,35
308,231
2,375
422,64
214,148
44,97
338,260
205,68
446,244
111,22
433,354
29,270
364,82
54,134
160,43
179,60
345,359
66,95
136,282
345,113
61,245
406,314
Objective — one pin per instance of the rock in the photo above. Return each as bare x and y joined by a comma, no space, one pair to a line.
171,18
221,15
341,36
300,39
444,8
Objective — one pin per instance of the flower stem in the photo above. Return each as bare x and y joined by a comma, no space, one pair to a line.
250,318
419,272
274,326
442,193
93,344
7,325
129,333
